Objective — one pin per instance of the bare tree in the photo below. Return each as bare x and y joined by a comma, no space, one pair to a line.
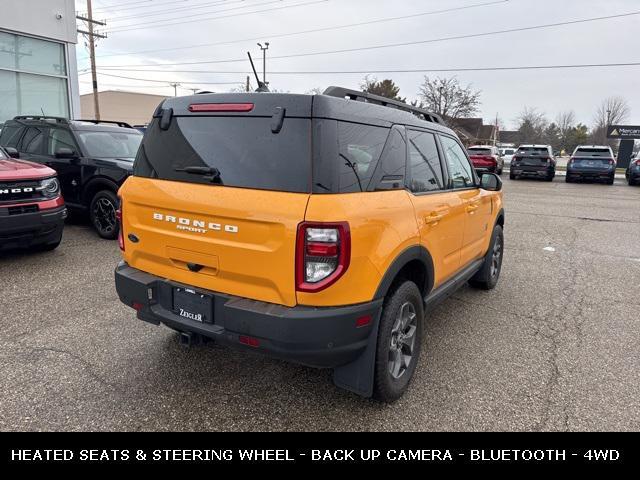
565,122
532,126
449,99
612,111
315,91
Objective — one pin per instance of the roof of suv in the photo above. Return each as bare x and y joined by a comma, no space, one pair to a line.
366,108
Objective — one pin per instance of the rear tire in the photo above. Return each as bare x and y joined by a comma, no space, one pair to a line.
399,342
611,180
512,176
567,179
488,276
102,213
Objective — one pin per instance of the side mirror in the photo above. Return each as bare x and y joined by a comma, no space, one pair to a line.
490,182
64,152
12,152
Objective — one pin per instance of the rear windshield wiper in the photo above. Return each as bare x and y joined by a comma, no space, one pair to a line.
211,173
353,167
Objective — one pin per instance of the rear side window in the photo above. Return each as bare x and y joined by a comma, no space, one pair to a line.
243,149
10,136
360,147
424,163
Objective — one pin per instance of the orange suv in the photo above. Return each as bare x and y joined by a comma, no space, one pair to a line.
313,228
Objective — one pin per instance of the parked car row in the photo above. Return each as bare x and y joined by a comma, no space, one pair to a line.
87,159
588,162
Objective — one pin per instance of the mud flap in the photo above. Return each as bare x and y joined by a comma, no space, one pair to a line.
358,376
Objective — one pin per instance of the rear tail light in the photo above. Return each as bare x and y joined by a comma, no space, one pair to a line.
571,160
611,162
637,162
120,229
323,253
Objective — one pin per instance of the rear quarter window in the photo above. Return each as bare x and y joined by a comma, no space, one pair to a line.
10,135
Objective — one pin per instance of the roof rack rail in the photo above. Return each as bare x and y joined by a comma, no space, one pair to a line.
41,117
341,92
113,122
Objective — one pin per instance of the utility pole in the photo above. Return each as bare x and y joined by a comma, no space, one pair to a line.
264,61
248,88
91,35
175,86
194,90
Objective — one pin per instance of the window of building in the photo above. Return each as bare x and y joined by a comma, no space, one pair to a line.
33,77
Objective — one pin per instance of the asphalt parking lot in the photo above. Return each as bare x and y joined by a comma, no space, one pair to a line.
555,347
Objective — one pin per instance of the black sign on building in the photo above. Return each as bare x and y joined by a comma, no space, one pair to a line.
623,132
627,134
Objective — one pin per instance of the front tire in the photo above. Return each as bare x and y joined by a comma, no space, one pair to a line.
399,342
102,212
488,276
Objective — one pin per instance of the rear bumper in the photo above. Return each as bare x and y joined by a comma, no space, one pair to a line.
534,171
591,174
31,229
318,337
485,168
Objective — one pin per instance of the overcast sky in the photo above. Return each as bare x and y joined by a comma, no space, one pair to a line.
504,93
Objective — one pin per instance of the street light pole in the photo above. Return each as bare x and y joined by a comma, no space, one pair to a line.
264,61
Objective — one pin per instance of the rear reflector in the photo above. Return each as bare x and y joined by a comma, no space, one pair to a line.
249,341
220,107
363,321
137,306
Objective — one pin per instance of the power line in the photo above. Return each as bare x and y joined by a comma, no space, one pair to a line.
130,7
413,70
177,9
390,45
137,27
316,30
162,81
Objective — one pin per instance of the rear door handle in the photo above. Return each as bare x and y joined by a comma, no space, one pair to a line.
472,207
435,217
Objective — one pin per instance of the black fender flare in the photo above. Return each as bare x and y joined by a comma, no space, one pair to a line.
415,252
500,218
97,184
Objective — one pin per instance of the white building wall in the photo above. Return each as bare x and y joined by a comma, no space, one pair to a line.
52,20
40,18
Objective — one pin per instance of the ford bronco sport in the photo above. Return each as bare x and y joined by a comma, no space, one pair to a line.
313,228
32,211
92,158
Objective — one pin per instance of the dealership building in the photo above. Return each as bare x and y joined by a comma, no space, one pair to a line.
38,68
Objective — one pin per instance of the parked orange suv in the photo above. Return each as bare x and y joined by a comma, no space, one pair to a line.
313,228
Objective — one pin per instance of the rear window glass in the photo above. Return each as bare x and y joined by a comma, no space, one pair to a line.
533,151
594,152
479,151
244,150
508,152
